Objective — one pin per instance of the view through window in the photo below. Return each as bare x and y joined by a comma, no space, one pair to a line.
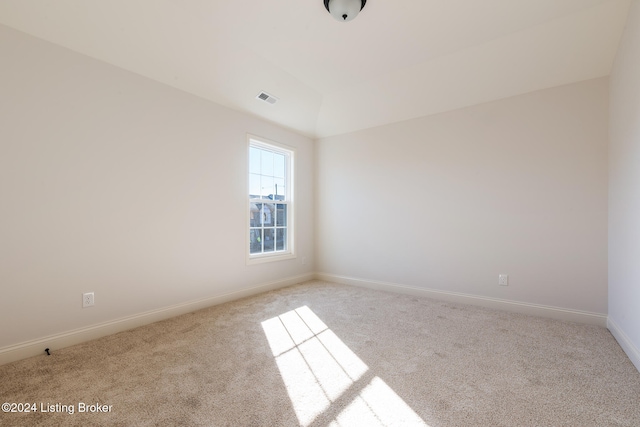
270,201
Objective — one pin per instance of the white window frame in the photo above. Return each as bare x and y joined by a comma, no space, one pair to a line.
289,152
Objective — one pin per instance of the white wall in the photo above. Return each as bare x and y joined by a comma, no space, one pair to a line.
447,202
624,191
113,183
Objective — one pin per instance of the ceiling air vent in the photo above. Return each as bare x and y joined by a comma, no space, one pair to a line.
264,96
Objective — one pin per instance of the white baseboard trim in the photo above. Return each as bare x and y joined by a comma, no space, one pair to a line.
625,342
55,342
494,303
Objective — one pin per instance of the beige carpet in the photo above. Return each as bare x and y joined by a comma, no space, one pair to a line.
320,354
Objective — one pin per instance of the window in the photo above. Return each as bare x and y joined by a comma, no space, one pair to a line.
270,201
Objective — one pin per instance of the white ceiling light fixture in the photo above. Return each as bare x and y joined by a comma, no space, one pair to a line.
344,10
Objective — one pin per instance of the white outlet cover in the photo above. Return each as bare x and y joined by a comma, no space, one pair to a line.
88,299
503,279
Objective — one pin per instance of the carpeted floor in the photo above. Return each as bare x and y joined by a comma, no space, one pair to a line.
319,354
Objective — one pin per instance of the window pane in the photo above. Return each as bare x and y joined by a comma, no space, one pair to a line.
278,165
267,163
254,185
255,241
279,189
281,239
269,237
267,213
254,160
268,186
254,214
281,215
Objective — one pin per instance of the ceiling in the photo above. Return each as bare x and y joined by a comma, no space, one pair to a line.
399,59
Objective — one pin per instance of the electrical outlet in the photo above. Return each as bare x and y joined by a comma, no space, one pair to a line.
304,260
88,299
503,279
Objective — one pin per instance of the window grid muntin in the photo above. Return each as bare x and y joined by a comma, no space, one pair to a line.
262,220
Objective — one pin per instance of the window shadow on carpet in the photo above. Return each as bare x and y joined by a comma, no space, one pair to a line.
325,380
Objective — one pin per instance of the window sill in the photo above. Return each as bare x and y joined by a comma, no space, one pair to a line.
261,259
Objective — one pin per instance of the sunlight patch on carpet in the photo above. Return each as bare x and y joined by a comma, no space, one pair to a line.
378,405
318,369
